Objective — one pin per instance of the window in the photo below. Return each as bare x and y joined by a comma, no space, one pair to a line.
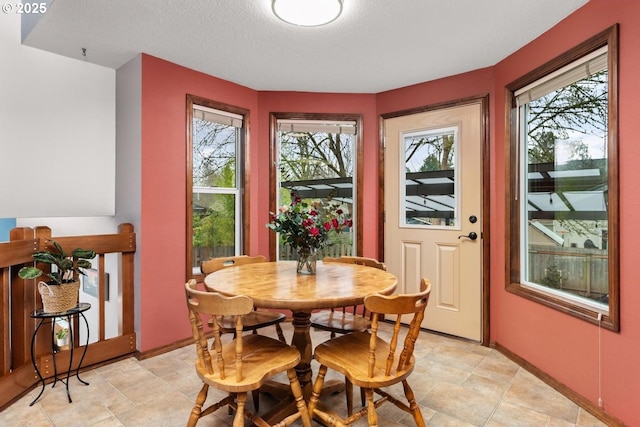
317,155
563,197
215,207
430,188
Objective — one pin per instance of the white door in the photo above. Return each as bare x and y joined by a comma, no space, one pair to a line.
433,212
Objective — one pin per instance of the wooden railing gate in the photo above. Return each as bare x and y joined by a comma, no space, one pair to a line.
18,298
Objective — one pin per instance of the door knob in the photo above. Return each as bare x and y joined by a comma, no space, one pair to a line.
473,235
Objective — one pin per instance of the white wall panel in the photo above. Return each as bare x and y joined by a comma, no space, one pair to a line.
57,132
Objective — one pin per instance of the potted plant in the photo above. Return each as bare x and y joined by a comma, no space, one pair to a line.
62,337
60,292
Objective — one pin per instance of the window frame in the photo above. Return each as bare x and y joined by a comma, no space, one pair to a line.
611,321
242,179
273,178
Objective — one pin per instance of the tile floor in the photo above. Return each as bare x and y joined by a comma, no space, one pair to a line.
456,383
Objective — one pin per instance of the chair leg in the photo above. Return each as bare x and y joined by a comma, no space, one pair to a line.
372,416
255,396
280,334
317,389
348,391
230,408
413,405
296,390
197,409
238,420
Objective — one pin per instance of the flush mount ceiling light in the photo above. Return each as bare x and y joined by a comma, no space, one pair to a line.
307,13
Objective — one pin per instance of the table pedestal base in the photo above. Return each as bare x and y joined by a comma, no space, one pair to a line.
302,341
287,404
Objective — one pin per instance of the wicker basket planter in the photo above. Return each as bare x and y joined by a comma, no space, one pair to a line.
60,292
59,298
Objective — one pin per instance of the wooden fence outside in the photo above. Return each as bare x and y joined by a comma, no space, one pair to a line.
286,253
580,271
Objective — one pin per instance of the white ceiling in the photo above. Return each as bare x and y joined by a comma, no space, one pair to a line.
376,45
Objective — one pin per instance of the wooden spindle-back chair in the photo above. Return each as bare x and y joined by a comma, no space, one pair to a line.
372,363
258,318
241,365
345,320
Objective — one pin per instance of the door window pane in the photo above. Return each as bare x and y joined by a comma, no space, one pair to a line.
429,189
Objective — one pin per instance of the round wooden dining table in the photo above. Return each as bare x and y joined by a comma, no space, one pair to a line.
277,285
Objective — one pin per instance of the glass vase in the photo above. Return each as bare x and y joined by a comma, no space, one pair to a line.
306,263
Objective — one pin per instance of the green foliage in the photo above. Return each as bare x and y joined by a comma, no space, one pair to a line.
216,227
544,148
431,163
62,333
553,277
63,261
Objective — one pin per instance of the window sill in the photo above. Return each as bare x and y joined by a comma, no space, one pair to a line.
565,306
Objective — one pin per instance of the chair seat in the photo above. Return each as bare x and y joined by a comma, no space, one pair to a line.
255,319
262,358
349,355
337,321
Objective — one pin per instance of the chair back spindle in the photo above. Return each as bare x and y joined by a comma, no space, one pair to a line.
201,306
368,262
398,305
216,346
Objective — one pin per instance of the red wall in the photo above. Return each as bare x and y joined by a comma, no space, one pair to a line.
560,345
162,235
303,102
474,83
563,347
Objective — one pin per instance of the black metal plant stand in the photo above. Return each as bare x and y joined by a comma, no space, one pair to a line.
50,318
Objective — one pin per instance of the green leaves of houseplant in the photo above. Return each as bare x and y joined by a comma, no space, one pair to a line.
63,261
